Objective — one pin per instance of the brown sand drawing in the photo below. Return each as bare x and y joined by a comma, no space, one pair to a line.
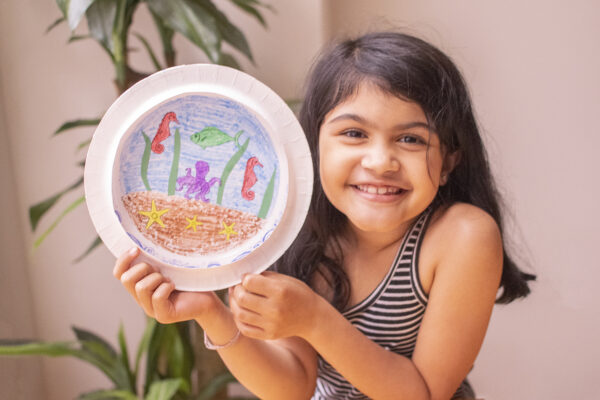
190,226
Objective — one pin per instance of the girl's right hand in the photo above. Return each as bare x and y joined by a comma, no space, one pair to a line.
157,295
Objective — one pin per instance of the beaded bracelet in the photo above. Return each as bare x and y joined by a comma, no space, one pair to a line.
210,346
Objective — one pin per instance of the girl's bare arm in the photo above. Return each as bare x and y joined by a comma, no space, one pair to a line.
458,311
282,369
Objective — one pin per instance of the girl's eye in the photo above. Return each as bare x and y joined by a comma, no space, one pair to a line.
412,139
353,133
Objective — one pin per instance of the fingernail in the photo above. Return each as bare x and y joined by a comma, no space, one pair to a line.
133,251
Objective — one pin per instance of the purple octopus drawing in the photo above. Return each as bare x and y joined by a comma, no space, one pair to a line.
197,186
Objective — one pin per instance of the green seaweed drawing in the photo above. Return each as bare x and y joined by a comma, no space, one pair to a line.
146,161
228,168
175,164
268,197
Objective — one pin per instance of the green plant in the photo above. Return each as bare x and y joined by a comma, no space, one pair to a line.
169,360
173,352
109,23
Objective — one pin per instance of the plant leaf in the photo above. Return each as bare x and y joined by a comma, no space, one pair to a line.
55,24
179,352
63,5
144,342
190,20
83,144
70,208
104,356
54,349
218,383
75,11
76,38
153,354
101,20
50,349
164,389
169,354
125,357
96,345
229,61
34,348
230,33
97,242
76,123
166,39
37,211
149,50
249,7
108,395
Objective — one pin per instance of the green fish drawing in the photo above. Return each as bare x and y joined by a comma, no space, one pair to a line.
211,136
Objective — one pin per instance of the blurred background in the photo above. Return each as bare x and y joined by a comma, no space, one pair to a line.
533,69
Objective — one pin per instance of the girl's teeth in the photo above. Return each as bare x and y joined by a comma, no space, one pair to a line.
378,190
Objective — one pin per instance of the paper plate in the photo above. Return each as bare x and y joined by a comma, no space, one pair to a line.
205,169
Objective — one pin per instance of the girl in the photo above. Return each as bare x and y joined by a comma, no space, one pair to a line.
388,289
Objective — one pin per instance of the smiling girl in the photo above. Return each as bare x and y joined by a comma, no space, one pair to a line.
388,290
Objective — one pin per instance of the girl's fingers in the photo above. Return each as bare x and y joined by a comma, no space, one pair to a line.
145,288
163,308
251,331
248,317
258,284
242,314
133,275
248,300
124,262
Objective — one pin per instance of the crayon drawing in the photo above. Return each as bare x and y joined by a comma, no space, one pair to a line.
197,176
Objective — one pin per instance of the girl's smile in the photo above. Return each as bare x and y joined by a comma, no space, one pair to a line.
377,193
380,162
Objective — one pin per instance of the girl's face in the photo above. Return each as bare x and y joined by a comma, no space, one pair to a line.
380,163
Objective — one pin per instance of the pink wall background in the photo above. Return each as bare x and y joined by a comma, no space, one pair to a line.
533,69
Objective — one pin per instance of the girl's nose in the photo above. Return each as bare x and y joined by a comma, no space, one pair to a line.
380,159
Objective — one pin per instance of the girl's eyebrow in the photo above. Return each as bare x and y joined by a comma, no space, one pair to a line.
361,120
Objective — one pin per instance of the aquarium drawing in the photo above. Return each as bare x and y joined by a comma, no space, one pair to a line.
197,176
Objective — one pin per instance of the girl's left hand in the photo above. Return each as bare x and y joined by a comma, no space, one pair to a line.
272,306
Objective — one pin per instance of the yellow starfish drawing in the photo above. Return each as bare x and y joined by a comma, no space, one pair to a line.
192,223
154,215
228,229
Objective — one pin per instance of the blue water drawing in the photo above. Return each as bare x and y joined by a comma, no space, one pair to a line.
200,115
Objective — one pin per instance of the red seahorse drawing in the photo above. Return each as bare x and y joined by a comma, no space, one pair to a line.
163,132
250,178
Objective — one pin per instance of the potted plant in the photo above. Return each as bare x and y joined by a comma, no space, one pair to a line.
173,354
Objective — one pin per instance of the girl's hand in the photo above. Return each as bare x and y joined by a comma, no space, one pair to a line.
272,306
157,296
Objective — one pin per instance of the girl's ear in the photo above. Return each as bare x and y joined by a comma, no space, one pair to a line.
451,160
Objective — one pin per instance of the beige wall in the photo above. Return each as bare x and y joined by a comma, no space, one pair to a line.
19,377
533,72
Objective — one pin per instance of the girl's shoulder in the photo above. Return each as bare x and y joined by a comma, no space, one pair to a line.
461,220
458,235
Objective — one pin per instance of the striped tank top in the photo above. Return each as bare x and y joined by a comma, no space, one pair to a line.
390,316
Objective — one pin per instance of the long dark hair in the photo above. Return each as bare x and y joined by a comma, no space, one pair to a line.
414,70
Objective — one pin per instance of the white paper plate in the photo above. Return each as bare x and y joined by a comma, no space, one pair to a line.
205,169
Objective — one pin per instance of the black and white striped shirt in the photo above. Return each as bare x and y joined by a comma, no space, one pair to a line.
390,316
